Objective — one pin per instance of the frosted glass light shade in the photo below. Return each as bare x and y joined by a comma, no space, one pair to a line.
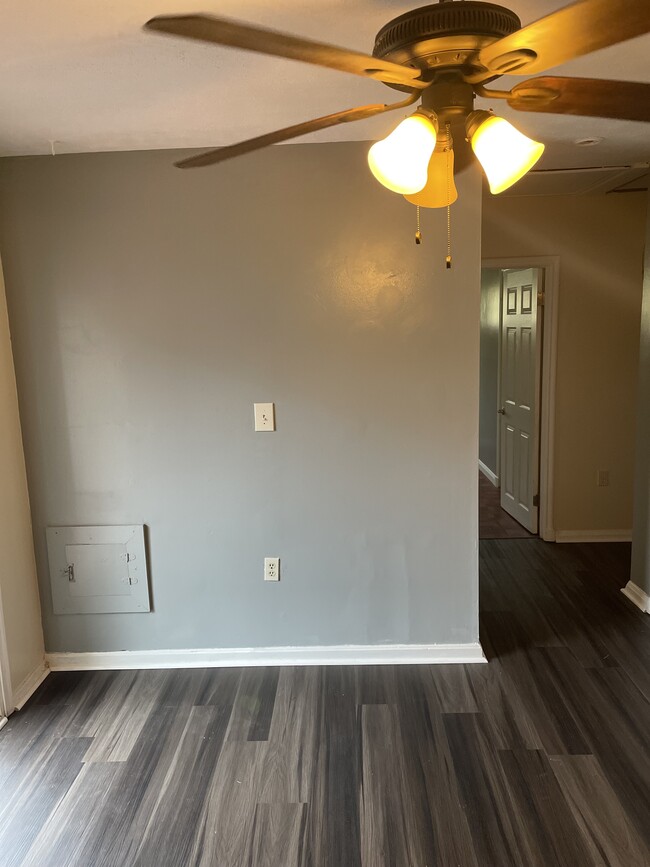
400,161
505,153
440,189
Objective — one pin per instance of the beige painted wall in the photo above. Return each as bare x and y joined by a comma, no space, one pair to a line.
18,585
600,241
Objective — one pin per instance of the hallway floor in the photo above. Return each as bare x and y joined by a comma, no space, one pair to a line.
539,758
493,521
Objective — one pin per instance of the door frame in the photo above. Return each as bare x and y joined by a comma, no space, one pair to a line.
6,692
551,266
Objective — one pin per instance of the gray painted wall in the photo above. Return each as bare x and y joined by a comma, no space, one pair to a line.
490,324
640,573
151,307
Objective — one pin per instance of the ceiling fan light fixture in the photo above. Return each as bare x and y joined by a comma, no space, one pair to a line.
505,153
400,161
440,189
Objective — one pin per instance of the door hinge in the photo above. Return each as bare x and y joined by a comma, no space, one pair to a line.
536,500
541,297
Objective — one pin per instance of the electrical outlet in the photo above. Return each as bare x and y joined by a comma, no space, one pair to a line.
603,478
271,568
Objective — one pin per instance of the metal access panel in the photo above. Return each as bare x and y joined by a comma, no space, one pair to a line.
98,570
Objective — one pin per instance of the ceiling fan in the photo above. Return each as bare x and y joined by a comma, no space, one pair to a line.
445,54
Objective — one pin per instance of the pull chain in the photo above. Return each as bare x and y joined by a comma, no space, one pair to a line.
448,259
418,234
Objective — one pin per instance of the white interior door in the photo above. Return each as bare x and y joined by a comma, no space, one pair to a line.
520,391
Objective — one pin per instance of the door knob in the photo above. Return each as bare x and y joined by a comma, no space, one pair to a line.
501,411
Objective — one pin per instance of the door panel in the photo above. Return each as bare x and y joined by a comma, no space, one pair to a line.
520,390
508,483
524,470
523,363
509,364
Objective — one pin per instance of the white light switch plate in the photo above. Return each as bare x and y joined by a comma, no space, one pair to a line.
264,416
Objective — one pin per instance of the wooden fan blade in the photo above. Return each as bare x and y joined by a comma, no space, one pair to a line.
591,97
261,141
223,31
571,32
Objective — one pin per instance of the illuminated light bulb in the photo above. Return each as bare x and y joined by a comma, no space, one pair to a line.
440,189
505,153
400,161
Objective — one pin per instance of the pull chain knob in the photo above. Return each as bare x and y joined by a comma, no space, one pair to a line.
448,259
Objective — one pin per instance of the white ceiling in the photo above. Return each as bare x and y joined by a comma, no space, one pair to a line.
82,74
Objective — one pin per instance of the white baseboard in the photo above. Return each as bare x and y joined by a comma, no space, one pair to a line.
637,595
487,472
593,535
29,685
3,721
352,654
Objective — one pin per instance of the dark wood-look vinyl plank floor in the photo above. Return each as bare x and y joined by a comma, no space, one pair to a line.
538,759
493,521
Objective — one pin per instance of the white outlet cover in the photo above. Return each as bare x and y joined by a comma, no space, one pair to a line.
271,568
264,414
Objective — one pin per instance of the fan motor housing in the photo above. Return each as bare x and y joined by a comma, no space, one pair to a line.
444,36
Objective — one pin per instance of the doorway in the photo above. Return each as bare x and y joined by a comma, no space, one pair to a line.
518,333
